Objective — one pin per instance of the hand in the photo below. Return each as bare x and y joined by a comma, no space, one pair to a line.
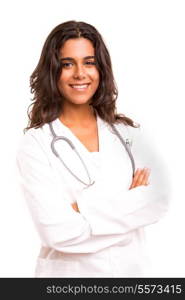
140,178
75,206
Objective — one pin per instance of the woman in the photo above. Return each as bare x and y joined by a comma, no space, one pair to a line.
90,207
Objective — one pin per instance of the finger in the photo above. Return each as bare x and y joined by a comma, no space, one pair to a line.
139,180
135,178
75,206
145,177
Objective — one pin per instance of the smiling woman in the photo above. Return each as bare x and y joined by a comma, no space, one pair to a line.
74,53
79,78
89,227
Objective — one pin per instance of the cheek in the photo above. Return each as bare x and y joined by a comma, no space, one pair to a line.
95,76
97,80
64,77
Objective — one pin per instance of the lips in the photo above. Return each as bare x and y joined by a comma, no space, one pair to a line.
79,87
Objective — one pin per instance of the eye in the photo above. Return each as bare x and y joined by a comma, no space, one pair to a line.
90,62
66,65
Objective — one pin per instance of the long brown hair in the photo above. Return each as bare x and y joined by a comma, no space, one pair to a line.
47,100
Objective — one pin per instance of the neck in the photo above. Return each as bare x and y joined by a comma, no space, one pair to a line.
78,115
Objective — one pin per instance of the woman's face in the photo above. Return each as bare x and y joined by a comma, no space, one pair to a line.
79,78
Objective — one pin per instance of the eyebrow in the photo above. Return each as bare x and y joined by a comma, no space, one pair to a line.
70,58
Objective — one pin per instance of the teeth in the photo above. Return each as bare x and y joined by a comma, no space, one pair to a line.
80,86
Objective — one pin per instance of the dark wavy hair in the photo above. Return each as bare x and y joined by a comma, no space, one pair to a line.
47,100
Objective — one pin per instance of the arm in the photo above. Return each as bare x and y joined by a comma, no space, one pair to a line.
104,220
123,211
58,225
140,178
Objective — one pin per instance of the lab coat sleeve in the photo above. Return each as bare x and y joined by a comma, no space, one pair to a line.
122,211
58,225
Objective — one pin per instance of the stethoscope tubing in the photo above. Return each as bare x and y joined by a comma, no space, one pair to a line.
127,148
57,138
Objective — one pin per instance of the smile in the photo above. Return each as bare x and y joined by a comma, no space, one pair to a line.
80,87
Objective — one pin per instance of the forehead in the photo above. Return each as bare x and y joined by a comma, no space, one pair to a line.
77,47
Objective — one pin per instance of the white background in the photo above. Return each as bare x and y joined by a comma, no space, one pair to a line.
146,41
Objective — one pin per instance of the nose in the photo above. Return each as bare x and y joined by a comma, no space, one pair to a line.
79,72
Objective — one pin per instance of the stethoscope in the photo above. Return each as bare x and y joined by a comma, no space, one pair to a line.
126,143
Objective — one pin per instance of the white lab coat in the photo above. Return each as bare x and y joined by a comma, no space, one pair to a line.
106,239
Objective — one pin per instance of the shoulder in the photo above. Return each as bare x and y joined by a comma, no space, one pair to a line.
30,137
35,134
32,141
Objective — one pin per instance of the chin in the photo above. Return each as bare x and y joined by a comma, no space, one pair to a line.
80,101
